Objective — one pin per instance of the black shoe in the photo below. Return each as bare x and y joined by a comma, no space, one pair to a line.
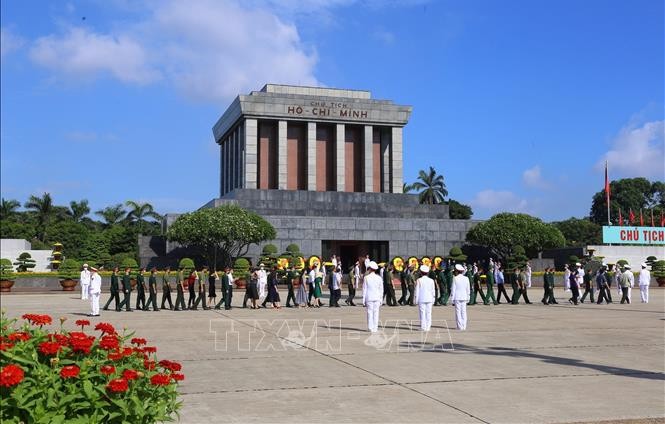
105,309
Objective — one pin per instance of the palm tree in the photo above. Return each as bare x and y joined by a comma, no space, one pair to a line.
407,188
8,207
44,210
432,188
112,214
77,210
139,212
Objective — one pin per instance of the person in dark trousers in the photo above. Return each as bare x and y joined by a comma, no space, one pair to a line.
273,293
574,287
479,279
140,290
212,293
403,287
291,296
191,282
202,292
180,290
152,291
252,289
410,284
388,288
126,290
224,290
501,286
166,288
588,287
514,283
352,285
548,287
489,285
227,287
603,286
522,283
115,291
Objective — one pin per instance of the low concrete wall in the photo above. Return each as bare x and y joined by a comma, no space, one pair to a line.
635,255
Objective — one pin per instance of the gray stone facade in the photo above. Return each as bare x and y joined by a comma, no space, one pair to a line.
307,218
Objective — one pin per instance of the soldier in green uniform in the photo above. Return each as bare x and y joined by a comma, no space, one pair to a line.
470,275
447,283
515,284
548,284
201,297
479,280
152,291
126,290
489,281
180,291
410,280
140,290
522,286
389,289
290,275
166,288
115,291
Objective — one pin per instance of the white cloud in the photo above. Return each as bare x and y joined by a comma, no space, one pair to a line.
9,41
384,36
532,177
209,50
638,150
490,202
81,53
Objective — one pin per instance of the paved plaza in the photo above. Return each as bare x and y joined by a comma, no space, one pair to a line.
526,363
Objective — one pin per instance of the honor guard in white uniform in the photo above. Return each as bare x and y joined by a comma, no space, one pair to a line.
424,297
460,292
372,296
645,279
95,291
263,281
85,282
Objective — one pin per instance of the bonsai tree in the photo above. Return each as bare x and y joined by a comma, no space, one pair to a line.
651,260
187,265
129,263
6,270
456,255
658,270
621,263
294,250
518,258
24,262
269,255
70,269
240,268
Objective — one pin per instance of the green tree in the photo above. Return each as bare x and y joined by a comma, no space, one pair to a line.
44,210
580,232
6,270
407,188
221,234
138,212
505,230
78,210
70,269
432,188
8,207
72,235
112,214
121,240
24,262
629,194
459,210
95,249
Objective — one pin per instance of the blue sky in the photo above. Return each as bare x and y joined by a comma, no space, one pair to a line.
517,103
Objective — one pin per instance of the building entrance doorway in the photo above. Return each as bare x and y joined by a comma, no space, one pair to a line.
350,250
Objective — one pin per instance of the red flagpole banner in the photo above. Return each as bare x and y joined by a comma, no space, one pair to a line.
641,219
652,222
631,216
662,219
621,219
607,194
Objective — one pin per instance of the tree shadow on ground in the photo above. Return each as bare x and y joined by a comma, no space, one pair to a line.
557,360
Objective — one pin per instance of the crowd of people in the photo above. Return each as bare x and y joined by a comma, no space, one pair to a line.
424,285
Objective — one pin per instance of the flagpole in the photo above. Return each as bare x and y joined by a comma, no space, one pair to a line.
607,195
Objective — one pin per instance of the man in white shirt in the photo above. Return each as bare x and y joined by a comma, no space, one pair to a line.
263,281
627,281
336,287
95,291
85,282
528,275
367,261
424,297
372,296
460,292
644,280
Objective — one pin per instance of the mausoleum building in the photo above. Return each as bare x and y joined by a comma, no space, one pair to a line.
324,167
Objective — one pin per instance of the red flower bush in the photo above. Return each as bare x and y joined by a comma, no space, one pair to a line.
107,369
105,328
160,380
118,385
87,372
50,348
38,320
70,371
109,342
130,375
11,375
138,341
